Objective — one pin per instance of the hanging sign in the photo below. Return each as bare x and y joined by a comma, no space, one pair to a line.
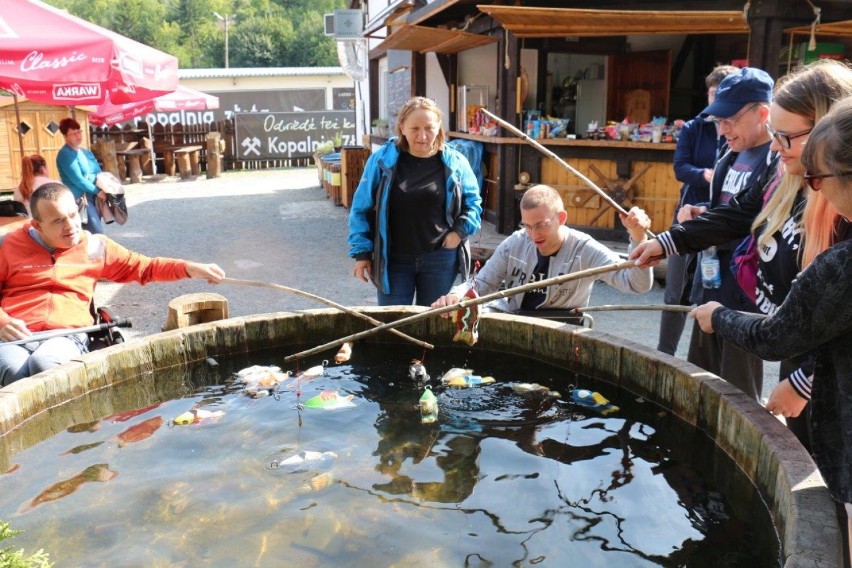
283,135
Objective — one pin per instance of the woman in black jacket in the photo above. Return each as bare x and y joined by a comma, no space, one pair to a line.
817,313
772,212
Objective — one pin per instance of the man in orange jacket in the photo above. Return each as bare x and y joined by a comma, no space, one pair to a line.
48,272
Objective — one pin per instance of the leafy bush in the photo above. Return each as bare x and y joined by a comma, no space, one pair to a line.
10,558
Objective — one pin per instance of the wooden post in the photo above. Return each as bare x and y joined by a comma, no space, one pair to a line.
182,160
195,162
214,156
104,149
145,161
135,168
169,161
191,309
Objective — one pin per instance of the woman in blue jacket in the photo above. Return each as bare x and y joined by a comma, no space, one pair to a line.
415,207
79,170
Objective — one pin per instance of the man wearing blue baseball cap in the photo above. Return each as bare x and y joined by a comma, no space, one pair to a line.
740,111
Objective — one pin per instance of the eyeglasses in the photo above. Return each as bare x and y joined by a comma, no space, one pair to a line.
786,140
732,121
538,226
814,181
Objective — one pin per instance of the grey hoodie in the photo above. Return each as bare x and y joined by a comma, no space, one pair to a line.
516,258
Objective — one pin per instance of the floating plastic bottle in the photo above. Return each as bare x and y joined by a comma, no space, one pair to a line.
428,407
711,275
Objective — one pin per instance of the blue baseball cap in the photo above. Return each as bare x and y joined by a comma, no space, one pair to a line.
750,85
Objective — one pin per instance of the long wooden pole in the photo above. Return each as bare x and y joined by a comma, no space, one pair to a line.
350,311
466,303
18,126
535,144
640,307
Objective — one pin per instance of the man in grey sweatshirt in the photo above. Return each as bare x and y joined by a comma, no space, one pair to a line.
544,248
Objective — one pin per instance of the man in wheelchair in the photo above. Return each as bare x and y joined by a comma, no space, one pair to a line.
48,272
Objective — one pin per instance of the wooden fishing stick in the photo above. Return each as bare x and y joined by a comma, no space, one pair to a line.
350,311
466,303
629,307
535,144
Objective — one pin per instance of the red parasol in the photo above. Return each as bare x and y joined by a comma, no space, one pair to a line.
49,56
183,98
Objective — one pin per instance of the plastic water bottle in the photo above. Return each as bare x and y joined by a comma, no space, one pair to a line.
711,275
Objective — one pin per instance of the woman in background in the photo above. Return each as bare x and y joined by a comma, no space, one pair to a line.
34,174
416,205
79,170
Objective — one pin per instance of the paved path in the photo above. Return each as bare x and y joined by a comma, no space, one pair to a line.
277,226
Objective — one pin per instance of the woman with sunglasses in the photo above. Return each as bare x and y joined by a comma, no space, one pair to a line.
817,313
772,213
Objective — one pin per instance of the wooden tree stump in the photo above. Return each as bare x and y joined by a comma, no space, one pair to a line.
146,161
191,309
105,151
169,161
195,162
183,165
214,156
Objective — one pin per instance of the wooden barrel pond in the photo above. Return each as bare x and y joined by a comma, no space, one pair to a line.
782,472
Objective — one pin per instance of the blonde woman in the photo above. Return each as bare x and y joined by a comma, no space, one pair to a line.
416,205
773,214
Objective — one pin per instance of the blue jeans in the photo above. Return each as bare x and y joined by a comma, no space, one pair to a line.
430,274
95,224
21,361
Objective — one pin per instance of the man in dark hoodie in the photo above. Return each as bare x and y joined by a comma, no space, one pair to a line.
698,148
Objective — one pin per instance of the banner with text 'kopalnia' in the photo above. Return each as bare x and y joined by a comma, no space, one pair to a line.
283,135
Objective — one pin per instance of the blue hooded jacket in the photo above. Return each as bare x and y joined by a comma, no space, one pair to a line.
368,216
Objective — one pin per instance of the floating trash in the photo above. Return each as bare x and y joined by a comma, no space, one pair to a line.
469,381
467,320
428,407
593,400
455,373
198,415
534,388
417,372
330,400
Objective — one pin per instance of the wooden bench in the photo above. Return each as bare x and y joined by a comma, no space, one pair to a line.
134,169
187,158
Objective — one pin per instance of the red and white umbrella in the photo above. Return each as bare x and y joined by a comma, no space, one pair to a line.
50,56
183,98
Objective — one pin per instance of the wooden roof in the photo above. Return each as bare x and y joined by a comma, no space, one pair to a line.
831,29
553,22
425,39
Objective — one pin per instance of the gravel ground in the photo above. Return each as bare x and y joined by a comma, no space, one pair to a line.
277,226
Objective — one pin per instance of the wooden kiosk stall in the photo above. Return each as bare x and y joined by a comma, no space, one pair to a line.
39,127
582,65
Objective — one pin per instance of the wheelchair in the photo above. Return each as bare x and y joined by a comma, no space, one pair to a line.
13,215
